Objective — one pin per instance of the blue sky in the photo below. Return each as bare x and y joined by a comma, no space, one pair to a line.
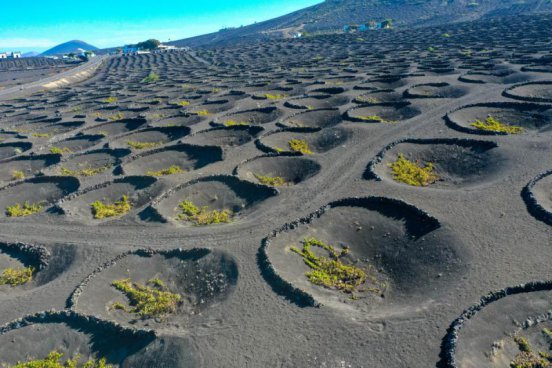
38,25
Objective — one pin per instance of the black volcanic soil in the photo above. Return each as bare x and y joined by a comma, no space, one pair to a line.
247,302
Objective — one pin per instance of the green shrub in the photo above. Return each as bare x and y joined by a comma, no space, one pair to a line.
526,358
300,145
230,123
116,117
61,151
411,173
111,100
53,360
143,145
331,272
275,181
102,210
27,209
276,96
493,125
174,169
147,301
202,216
17,175
151,78
87,172
16,276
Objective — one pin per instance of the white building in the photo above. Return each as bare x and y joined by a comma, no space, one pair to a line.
16,55
3,55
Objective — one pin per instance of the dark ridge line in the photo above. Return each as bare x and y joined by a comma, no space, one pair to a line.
370,172
506,92
64,316
38,254
533,206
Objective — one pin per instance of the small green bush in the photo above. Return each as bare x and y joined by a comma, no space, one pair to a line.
202,216
493,125
411,173
17,175
230,123
27,209
87,172
526,358
102,210
300,145
275,181
16,276
151,78
61,151
147,301
143,145
331,272
174,169
53,360
111,100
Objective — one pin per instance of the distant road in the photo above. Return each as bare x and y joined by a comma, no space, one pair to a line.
78,74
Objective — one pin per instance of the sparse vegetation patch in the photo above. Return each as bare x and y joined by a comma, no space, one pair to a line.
202,216
84,172
25,209
493,125
16,276
102,210
412,173
17,175
152,300
174,169
53,360
275,181
143,145
151,78
61,151
331,272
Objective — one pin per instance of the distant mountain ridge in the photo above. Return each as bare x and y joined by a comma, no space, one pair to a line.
73,46
334,14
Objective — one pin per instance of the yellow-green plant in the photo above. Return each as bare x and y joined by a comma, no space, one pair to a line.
151,78
377,118
411,173
102,210
493,125
230,123
300,145
526,358
117,116
174,169
143,145
202,216
16,276
202,112
53,360
111,100
275,181
17,175
41,135
86,172
61,151
27,209
183,103
276,96
330,271
147,301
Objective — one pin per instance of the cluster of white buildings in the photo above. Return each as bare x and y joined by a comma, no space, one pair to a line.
10,55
